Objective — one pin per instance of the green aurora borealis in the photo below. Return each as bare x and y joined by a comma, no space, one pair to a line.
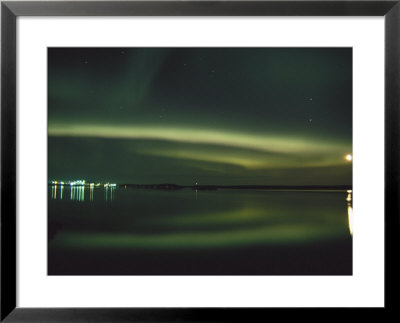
272,116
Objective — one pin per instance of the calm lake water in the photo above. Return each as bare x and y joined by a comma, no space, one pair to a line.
129,231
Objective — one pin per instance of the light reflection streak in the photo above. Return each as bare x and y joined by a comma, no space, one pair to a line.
350,217
77,193
53,189
91,192
112,193
109,192
349,199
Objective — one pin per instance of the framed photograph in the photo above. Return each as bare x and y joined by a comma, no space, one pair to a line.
197,161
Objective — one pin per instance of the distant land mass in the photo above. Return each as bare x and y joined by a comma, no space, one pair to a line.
167,186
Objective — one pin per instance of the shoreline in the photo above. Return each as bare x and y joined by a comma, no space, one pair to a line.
168,186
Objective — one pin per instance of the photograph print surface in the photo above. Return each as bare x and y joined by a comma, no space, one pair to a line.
200,161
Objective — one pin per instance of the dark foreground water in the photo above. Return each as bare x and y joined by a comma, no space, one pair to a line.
223,232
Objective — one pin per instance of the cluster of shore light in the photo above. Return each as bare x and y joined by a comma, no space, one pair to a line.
82,183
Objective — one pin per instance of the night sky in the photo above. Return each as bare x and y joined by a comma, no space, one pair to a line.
271,116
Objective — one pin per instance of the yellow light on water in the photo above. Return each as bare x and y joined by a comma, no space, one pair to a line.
350,218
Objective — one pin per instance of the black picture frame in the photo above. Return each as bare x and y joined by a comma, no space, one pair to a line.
10,10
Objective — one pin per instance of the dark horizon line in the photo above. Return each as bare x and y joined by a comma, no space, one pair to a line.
172,186
200,187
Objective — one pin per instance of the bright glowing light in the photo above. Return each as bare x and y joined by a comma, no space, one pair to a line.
244,149
350,217
349,157
289,144
78,182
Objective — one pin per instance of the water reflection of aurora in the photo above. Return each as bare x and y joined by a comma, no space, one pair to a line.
247,219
